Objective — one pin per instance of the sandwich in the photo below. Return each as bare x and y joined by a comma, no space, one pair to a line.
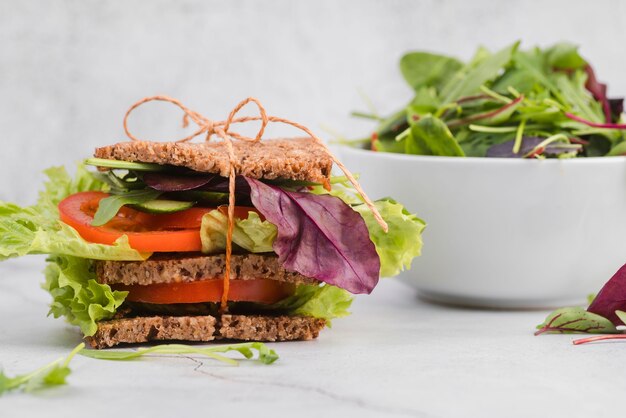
185,241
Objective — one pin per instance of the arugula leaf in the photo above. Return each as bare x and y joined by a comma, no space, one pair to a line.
109,206
52,374
423,69
265,354
575,320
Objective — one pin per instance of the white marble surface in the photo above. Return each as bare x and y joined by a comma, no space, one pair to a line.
395,356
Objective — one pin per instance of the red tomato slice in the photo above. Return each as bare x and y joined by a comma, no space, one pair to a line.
260,291
172,232
78,209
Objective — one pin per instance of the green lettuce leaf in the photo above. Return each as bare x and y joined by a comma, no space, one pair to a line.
323,301
37,229
251,234
77,295
402,243
69,275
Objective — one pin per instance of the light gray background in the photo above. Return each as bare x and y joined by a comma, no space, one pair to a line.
69,69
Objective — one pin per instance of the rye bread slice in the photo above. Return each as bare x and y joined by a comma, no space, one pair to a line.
203,328
184,268
295,159
154,328
269,328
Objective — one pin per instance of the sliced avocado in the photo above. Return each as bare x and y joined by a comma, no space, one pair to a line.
125,165
162,206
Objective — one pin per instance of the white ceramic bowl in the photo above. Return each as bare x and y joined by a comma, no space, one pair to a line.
506,233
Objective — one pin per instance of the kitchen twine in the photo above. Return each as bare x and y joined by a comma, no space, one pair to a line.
222,130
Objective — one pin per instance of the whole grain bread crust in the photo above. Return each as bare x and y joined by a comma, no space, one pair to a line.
184,268
204,328
155,328
295,159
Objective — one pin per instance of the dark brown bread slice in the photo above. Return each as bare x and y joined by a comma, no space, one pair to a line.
296,159
177,268
154,328
203,328
269,328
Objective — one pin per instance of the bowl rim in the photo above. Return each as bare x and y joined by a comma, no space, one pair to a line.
617,160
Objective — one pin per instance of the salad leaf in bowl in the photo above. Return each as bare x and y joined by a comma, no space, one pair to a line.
512,103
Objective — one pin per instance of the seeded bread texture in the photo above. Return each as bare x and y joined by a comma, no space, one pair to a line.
184,268
155,328
270,328
203,328
295,159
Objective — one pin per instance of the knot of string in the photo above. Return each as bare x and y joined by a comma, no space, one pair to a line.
221,129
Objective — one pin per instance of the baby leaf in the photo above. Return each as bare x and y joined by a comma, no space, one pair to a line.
109,206
611,298
430,136
575,320
423,69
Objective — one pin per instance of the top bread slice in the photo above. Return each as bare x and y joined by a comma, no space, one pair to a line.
293,159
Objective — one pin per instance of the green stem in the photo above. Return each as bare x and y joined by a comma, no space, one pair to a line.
518,136
495,95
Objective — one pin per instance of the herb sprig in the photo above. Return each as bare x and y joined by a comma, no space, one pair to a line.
52,374
56,372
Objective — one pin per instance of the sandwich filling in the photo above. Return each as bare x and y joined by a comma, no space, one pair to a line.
206,241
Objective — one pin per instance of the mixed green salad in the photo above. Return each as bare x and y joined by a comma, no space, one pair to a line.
513,103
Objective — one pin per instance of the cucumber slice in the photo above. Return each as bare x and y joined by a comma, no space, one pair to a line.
162,206
125,165
207,198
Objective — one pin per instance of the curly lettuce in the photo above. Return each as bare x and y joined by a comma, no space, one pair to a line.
69,275
251,234
38,230
77,295
397,247
319,301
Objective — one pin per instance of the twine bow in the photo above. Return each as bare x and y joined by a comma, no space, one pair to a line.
221,129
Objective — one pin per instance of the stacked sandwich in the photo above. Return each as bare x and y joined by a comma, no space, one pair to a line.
145,248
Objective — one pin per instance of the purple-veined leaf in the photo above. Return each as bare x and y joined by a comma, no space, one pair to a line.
611,298
319,236
505,149
167,182
575,320
175,183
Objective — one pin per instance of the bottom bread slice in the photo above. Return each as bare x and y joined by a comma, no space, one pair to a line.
205,328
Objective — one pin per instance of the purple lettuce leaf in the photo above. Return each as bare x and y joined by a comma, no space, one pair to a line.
175,183
168,182
505,149
598,91
319,236
617,107
612,297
